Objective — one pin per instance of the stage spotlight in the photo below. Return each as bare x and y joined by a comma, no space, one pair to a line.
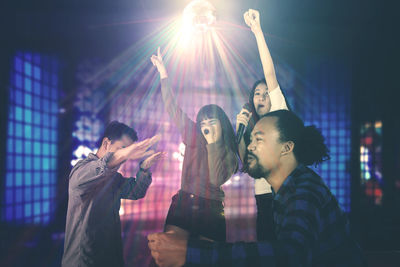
198,16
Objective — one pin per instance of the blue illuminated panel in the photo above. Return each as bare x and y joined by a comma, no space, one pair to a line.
31,163
326,104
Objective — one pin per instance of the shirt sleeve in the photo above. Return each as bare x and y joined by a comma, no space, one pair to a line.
135,188
186,126
204,253
221,163
277,99
86,176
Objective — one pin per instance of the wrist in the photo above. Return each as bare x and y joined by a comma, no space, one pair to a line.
163,72
257,31
143,168
163,75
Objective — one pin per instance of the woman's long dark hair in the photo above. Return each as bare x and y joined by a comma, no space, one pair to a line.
215,112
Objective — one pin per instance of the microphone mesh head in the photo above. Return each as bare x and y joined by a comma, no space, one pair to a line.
247,106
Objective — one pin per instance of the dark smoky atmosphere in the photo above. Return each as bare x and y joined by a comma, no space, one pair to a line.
199,133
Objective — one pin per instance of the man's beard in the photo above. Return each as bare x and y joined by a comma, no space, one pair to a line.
257,171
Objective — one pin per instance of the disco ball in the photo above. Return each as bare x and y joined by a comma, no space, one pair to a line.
199,15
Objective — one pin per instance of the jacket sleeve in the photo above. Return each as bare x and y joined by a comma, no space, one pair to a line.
135,188
88,174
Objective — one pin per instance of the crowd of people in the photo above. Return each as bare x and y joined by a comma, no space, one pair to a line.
299,221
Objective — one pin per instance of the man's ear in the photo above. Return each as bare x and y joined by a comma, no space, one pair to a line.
105,143
287,147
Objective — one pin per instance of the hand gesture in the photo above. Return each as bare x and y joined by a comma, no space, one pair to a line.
139,150
148,162
210,134
168,249
159,63
252,19
243,118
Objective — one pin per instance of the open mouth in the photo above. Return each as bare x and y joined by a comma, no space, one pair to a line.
260,106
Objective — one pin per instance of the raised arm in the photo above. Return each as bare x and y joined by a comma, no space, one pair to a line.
185,124
252,19
134,151
96,171
136,188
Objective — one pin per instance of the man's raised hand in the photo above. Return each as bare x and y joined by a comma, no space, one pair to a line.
139,150
148,162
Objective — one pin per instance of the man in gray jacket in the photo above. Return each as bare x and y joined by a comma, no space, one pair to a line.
93,228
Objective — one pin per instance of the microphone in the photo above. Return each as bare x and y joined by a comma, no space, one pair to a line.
241,128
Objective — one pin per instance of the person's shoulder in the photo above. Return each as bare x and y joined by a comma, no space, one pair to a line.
83,162
306,176
308,182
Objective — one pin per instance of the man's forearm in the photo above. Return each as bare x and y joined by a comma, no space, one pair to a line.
120,156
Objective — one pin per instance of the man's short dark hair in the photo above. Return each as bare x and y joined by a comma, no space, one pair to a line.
115,130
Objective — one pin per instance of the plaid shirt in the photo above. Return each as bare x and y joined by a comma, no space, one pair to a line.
309,226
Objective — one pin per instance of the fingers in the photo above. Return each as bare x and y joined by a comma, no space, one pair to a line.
253,14
153,60
143,144
152,158
154,247
139,149
242,118
153,140
154,155
244,115
245,112
146,143
156,59
148,153
251,17
159,155
247,18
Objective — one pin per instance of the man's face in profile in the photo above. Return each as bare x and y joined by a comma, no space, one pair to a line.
114,145
264,150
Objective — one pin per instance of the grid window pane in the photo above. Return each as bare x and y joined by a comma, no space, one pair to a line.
30,152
